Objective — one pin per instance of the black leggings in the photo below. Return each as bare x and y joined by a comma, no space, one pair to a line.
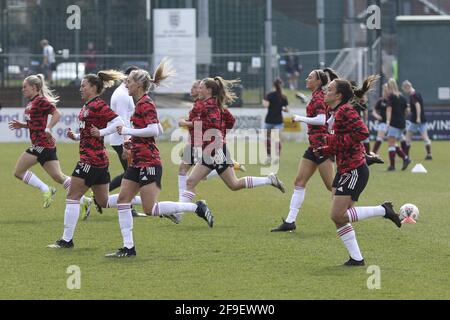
116,182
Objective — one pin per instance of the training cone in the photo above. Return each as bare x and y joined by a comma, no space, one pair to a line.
419,168
409,220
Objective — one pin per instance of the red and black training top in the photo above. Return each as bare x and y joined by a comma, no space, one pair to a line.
314,108
228,122
95,113
194,116
211,118
144,151
36,116
349,131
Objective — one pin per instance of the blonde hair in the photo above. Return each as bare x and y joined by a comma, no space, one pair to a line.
407,84
384,92
392,88
222,89
104,79
162,72
39,82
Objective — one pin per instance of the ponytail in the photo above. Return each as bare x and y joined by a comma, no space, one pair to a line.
367,85
348,92
222,90
331,74
162,72
278,84
39,82
104,79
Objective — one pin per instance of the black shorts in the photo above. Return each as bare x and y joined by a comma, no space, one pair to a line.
309,154
43,154
220,162
144,176
92,176
351,183
53,66
191,154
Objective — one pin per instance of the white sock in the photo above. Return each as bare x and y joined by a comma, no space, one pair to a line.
362,213
137,201
212,174
32,180
181,185
253,182
296,203
66,186
348,236
187,196
168,207
70,219
126,224
112,201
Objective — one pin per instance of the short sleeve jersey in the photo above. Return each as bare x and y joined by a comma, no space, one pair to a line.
95,113
211,118
276,104
36,116
416,97
228,121
195,115
399,106
380,108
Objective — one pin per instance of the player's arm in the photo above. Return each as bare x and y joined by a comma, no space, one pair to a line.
152,130
56,116
366,116
265,101
72,135
13,125
229,119
376,115
285,107
185,123
110,129
318,120
418,110
388,115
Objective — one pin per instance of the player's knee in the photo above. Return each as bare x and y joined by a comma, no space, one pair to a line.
338,219
300,182
148,208
122,198
71,195
234,187
190,184
102,202
59,179
183,170
18,175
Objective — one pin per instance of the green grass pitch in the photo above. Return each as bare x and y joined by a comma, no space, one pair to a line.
239,258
